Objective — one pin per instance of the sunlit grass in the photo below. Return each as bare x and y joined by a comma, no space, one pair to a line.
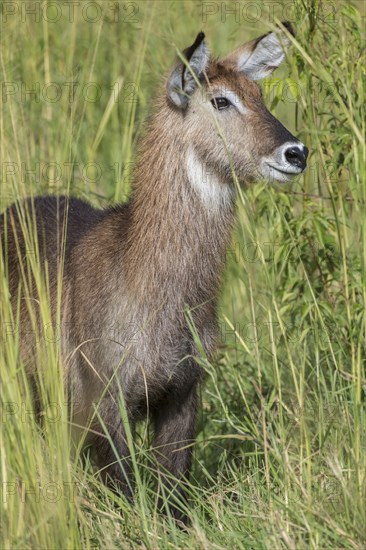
280,456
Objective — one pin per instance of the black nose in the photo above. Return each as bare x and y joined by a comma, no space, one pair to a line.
296,156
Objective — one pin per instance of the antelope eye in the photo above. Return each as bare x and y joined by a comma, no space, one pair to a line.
220,103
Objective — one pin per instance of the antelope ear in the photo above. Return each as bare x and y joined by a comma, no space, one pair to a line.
181,83
260,57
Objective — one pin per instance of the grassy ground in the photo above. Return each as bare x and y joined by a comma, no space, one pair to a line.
280,458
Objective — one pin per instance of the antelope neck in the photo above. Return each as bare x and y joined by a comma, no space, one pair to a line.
181,219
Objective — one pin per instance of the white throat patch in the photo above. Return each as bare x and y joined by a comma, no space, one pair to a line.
213,193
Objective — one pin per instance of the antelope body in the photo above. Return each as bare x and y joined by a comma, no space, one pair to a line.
131,272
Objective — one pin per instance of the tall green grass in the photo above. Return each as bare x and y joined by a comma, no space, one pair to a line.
280,457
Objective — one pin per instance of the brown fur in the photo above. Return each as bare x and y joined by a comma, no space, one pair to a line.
131,272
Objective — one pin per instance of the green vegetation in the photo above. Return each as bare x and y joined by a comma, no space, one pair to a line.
280,458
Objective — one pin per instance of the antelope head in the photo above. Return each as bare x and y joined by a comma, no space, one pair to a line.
225,119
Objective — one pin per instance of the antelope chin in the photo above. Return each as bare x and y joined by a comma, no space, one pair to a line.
279,172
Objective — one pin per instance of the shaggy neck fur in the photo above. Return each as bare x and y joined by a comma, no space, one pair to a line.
181,218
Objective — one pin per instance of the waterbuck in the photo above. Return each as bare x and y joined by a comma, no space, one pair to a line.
132,272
